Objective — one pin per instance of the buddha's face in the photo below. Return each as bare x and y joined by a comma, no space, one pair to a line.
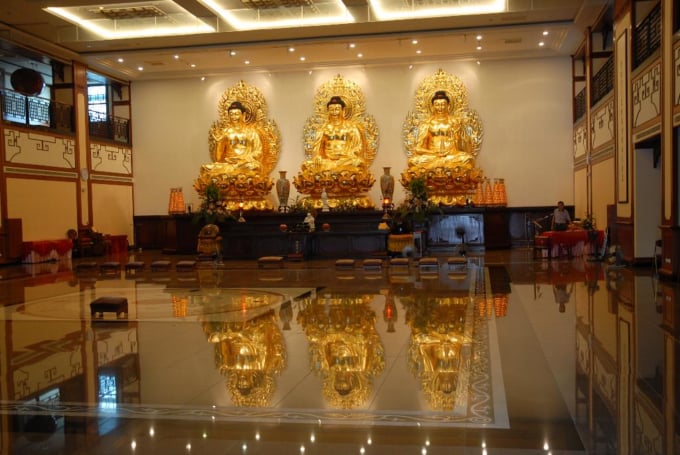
440,106
334,110
235,115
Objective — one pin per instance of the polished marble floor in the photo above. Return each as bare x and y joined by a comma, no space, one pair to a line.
509,354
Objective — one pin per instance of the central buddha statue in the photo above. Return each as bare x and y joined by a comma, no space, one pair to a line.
244,147
442,138
340,145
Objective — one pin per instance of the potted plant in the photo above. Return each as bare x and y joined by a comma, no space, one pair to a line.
213,207
416,208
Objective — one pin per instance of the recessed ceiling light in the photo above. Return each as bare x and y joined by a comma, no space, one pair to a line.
546,33
232,53
414,41
202,78
291,49
121,59
419,51
360,55
541,44
247,62
140,68
410,67
351,45
176,57
479,48
479,37
478,62
302,59
193,65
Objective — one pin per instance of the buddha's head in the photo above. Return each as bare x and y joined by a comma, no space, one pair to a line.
440,101
236,111
335,100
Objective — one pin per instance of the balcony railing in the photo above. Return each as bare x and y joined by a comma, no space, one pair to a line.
35,112
647,36
41,113
580,104
603,82
109,127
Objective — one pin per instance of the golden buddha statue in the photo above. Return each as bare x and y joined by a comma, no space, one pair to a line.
244,147
442,138
340,143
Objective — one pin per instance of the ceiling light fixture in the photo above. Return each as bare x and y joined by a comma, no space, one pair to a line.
232,53
389,10
133,20
250,18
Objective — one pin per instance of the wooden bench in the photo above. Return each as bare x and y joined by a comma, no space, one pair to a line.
273,261
372,264
345,264
109,268
160,266
118,305
400,262
185,266
428,264
134,267
86,267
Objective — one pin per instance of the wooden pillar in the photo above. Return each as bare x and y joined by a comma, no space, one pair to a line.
82,143
670,232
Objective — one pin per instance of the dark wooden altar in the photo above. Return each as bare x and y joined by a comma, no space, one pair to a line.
352,234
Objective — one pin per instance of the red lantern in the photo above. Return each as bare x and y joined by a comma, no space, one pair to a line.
27,81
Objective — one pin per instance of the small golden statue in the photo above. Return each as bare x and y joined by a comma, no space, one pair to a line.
244,147
340,143
442,138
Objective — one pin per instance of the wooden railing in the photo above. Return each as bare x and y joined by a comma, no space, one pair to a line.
42,113
647,36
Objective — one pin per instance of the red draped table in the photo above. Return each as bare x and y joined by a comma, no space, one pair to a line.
46,250
575,241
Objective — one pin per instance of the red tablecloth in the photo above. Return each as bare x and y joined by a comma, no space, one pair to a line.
44,247
574,239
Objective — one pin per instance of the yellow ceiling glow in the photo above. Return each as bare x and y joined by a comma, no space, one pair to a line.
389,10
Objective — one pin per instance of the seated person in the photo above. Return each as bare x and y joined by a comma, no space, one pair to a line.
560,219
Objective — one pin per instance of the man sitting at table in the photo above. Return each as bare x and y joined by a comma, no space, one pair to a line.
561,219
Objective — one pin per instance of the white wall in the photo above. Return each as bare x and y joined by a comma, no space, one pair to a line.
525,107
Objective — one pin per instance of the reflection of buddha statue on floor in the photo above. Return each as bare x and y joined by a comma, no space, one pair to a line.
440,348
345,347
250,354
244,147
340,143
442,138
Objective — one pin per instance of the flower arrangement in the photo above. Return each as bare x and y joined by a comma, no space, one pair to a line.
416,208
213,208
588,223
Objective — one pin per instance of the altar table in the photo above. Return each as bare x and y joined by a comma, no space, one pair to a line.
575,241
46,250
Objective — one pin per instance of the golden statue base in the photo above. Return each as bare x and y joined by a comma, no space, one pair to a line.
344,188
340,202
446,187
247,192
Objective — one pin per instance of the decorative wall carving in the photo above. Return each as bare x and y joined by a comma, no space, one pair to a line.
646,96
580,137
116,159
32,148
602,127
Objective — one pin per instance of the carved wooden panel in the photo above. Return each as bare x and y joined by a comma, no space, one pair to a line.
602,125
646,93
34,148
111,158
